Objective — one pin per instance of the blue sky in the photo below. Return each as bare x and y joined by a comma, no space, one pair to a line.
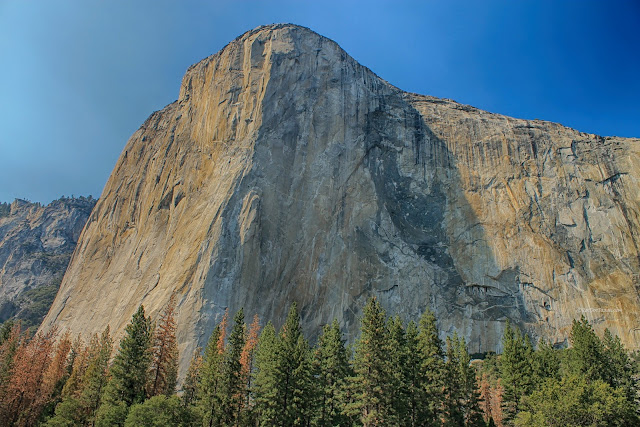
77,78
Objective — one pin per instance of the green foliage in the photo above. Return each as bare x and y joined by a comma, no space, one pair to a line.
161,411
371,387
283,382
112,414
398,357
190,386
208,397
231,381
516,369
413,385
82,393
546,363
431,373
576,401
34,304
265,384
127,385
469,395
586,355
294,372
398,376
331,369
620,370
453,387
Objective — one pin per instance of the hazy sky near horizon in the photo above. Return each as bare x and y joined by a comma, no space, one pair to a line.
77,78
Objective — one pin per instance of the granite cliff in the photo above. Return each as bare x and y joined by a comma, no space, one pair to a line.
36,243
286,171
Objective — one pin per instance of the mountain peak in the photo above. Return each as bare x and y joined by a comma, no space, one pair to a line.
287,172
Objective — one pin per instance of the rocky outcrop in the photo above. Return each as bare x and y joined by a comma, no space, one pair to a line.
288,172
36,243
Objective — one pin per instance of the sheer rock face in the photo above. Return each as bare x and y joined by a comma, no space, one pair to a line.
36,243
288,172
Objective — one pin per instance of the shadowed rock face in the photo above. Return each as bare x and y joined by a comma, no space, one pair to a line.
288,172
36,243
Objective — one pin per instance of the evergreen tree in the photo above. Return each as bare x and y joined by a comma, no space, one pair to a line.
412,378
620,371
127,385
430,379
191,381
330,369
576,401
232,382
265,389
294,373
586,355
77,365
208,389
398,357
516,370
283,381
470,397
163,372
371,386
94,380
546,363
453,387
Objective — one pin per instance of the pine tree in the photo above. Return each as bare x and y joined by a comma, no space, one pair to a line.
453,393
127,385
331,369
265,384
398,357
294,372
430,379
620,371
94,379
283,383
77,365
546,363
470,398
163,372
371,386
516,368
412,377
232,382
586,355
208,389
192,379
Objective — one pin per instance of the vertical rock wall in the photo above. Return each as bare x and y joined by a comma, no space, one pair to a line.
288,172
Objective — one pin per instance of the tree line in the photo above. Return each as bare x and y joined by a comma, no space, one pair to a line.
395,374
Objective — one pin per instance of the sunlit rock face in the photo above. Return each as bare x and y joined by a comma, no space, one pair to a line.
286,171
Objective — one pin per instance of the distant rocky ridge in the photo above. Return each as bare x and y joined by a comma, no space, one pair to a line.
286,171
36,243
